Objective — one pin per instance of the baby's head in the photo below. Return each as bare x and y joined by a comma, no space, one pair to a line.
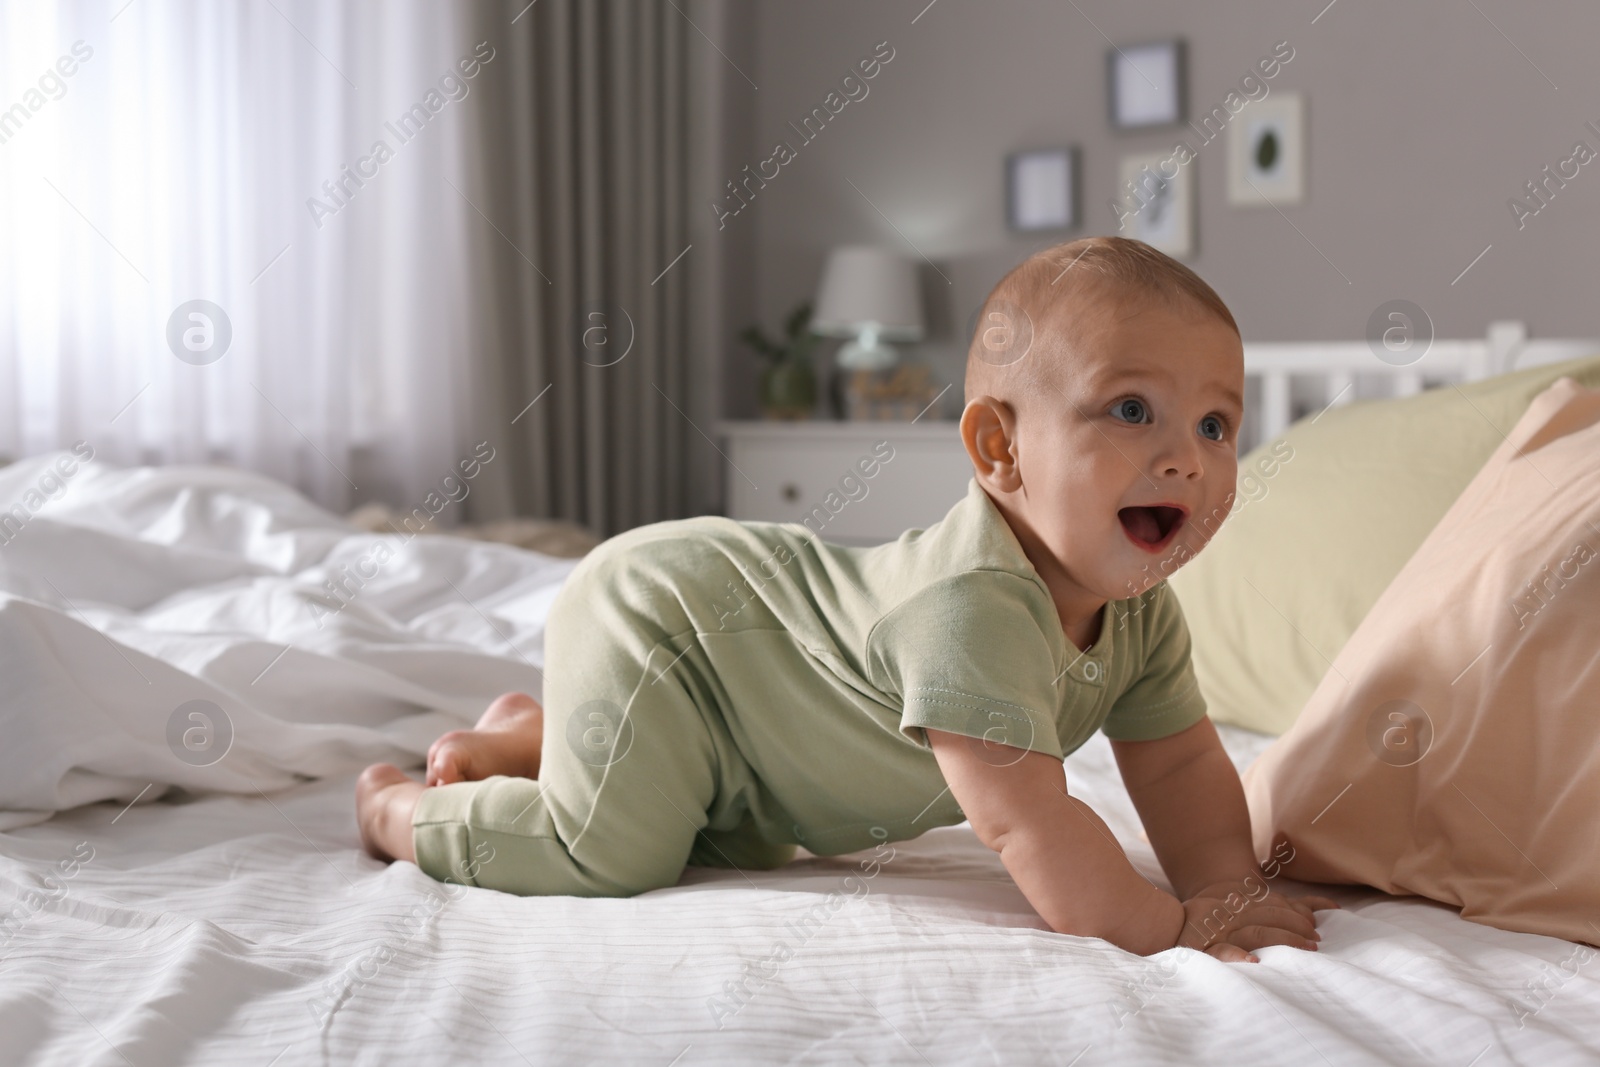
1104,389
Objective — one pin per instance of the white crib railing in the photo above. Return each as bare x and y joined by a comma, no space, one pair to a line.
1287,381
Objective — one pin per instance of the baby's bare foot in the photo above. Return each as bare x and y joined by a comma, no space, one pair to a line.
385,798
507,740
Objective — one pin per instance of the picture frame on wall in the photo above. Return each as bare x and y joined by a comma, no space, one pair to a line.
1146,84
1159,209
1267,152
1042,189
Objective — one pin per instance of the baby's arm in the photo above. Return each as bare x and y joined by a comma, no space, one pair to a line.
1192,804
1060,853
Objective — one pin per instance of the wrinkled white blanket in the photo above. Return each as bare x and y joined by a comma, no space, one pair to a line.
172,626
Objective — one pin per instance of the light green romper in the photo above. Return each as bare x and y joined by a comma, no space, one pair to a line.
719,691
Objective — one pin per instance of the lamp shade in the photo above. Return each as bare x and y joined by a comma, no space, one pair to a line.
863,285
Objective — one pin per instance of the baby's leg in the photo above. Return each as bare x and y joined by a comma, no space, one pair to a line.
627,778
623,790
507,740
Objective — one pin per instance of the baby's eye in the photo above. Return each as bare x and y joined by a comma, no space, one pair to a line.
1211,428
1130,410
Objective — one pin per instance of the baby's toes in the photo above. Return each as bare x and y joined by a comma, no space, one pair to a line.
449,759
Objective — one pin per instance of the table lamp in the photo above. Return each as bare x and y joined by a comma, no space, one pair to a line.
870,296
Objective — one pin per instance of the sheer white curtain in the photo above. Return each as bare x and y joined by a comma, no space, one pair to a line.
159,152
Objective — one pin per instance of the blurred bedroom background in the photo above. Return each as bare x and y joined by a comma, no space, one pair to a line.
348,244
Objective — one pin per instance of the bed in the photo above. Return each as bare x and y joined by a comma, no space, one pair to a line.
1287,381
183,889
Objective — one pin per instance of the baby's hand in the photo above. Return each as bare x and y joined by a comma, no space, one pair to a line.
1228,925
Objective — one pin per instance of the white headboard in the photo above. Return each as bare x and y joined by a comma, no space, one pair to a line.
1286,381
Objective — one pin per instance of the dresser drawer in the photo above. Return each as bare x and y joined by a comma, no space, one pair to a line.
855,483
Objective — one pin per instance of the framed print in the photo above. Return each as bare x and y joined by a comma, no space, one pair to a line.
1042,189
1267,152
1146,84
1159,198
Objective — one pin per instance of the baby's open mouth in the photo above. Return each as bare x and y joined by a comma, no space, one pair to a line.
1151,527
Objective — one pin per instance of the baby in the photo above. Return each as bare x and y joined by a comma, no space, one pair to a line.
718,692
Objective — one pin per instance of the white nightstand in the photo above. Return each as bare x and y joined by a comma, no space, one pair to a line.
815,473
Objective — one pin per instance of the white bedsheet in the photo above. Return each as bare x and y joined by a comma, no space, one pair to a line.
235,920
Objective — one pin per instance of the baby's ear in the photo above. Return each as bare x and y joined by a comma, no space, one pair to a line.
988,430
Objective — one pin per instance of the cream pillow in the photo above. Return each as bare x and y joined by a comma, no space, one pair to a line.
1453,750
1328,515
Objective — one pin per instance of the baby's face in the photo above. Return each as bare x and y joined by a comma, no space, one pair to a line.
1129,463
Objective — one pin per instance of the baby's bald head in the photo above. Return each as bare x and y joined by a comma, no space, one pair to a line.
1104,396
1037,315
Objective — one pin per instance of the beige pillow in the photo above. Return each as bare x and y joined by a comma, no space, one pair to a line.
1453,750
1328,514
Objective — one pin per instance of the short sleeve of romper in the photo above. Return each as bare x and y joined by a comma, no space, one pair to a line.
1164,698
969,655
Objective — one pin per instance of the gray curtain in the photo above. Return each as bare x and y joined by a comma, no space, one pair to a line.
583,189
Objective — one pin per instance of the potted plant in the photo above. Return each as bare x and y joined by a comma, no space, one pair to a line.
788,384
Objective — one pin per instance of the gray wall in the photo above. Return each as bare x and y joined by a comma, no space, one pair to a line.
1423,120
